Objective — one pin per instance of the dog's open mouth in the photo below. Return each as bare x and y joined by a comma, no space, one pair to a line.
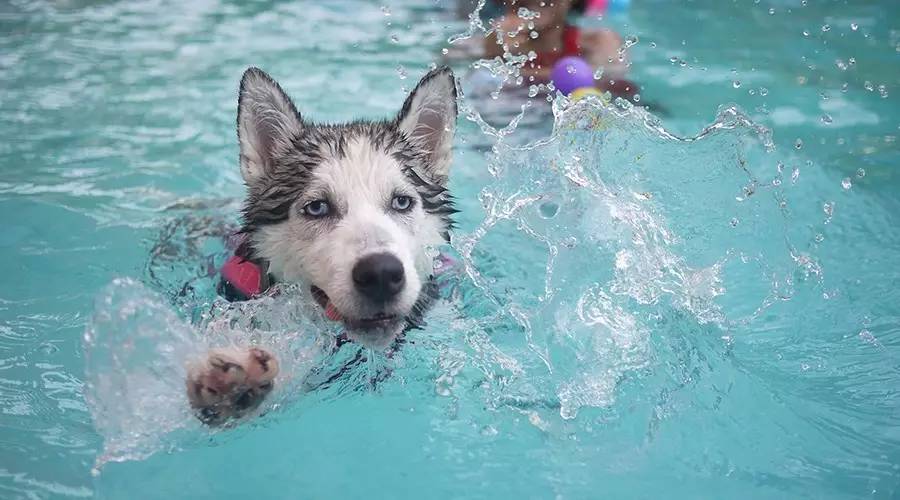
378,321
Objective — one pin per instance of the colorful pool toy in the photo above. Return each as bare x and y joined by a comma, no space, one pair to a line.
572,73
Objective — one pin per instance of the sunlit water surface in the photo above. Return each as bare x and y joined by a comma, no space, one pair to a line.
699,304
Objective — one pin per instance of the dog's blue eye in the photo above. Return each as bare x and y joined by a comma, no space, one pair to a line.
318,208
401,203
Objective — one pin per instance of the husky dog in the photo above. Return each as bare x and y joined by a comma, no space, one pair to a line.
354,211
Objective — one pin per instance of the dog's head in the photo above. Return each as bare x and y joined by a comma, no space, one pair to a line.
352,210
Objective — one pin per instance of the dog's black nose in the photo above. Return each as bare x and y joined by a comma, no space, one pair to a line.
379,276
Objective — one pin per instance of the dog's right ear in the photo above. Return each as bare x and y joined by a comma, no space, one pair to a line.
267,123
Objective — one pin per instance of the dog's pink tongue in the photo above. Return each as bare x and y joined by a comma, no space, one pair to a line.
332,313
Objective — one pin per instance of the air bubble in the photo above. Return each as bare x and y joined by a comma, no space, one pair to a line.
820,238
826,28
828,208
798,144
735,222
736,84
386,10
772,12
570,69
854,26
395,39
763,91
860,173
599,73
534,34
636,98
445,51
826,119
869,86
846,183
401,71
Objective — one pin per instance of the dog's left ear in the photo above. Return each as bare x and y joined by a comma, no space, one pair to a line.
428,118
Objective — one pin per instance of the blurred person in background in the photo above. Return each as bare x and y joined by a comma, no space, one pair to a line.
548,29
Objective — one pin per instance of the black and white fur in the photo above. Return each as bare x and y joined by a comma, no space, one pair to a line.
384,188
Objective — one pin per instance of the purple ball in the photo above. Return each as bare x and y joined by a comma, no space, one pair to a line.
570,73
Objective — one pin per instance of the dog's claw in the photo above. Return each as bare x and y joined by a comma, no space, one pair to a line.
230,383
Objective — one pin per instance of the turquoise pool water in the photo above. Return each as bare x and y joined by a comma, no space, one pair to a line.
702,306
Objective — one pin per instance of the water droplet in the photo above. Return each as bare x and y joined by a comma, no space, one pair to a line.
395,39
869,86
636,98
854,26
795,175
866,336
534,34
776,182
798,144
385,10
772,11
736,84
846,183
826,119
599,73
819,238
402,72
570,69
445,51
840,64
652,45
735,222
532,90
805,33
826,28
549,209
860,173
882,90
763,91
828,208
48,348
489,430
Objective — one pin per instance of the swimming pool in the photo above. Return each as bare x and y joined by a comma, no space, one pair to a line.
720,319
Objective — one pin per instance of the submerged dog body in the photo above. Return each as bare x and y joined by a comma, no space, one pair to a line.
354,211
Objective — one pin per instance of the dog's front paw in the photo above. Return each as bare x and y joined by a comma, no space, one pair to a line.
230,383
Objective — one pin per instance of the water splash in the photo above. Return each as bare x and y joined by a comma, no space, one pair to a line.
612,233
137,350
